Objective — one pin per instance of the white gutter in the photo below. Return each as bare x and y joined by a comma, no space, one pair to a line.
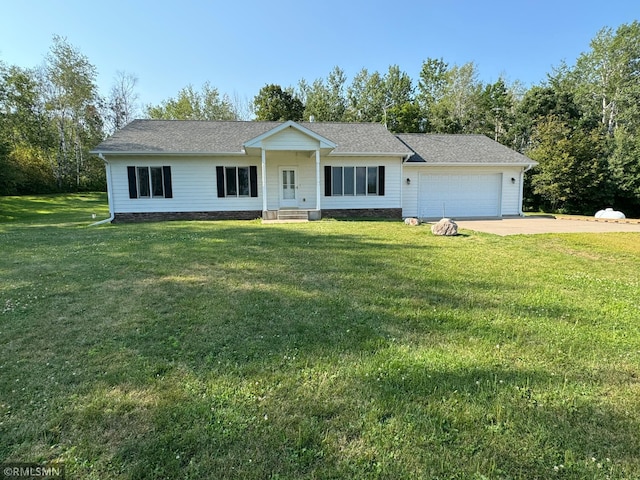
370,154
109,193
467,164
521,195
178,154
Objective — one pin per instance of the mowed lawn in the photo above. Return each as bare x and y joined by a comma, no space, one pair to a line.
320,350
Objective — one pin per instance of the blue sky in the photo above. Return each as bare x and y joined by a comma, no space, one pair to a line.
239,46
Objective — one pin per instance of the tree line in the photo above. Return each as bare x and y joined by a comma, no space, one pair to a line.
582,124
51,116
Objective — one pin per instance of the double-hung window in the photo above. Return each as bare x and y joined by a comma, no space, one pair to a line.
237,181
150,182
353,181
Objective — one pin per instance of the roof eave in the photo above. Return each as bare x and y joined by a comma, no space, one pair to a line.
368,154
472,164
167,154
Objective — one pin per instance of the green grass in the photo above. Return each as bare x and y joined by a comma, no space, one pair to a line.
320,350
54,209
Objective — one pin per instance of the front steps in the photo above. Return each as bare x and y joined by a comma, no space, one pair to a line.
293,215
289,215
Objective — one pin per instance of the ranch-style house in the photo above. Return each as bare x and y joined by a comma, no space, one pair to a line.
182,169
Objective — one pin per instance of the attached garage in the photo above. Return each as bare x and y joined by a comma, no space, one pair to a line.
457,196
461,176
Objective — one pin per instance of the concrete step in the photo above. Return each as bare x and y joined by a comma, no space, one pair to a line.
293,215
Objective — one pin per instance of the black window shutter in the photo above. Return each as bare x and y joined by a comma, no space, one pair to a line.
327,181
253,180
133,187
381,180
168,188
220,180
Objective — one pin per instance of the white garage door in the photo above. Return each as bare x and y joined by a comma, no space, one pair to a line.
458,196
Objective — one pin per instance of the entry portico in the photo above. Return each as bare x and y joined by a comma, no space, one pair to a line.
290,153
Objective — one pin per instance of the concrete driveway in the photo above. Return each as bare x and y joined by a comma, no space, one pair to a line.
536,225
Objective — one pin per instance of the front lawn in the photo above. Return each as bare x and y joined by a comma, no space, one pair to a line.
320,350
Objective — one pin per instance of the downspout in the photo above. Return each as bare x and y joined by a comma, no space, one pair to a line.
264,182
318,183
521,199
405,158
109,193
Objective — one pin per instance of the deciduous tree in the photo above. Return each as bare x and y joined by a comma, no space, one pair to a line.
366,97
625,171
325,99
191,104
71,97
496,104
607,75
572,175
121,105
275,104
431,88
26,139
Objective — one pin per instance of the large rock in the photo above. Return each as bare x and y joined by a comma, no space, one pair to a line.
446,227
411,221
609,213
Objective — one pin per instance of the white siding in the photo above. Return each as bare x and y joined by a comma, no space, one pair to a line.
194,186
410,192
510,192
290,139
305,165
392,197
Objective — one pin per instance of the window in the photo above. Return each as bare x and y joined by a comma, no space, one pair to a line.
231,181
150,182
237,181
143,182
336,174
361,180
350,181
372,180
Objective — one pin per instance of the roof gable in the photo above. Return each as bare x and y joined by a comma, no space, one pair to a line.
298,141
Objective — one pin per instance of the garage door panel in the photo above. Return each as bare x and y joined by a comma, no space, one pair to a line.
459,195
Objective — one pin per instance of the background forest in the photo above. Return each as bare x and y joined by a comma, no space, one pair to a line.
582,124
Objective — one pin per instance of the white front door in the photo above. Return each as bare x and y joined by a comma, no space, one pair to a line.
288,187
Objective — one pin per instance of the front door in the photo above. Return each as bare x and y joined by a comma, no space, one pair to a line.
288,187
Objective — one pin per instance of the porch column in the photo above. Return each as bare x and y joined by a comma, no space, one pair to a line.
264,181
318,183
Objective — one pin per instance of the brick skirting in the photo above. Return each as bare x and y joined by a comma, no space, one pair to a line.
362,213
252,214
160,216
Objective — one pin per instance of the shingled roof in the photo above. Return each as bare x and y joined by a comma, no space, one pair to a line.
212,137
455,149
